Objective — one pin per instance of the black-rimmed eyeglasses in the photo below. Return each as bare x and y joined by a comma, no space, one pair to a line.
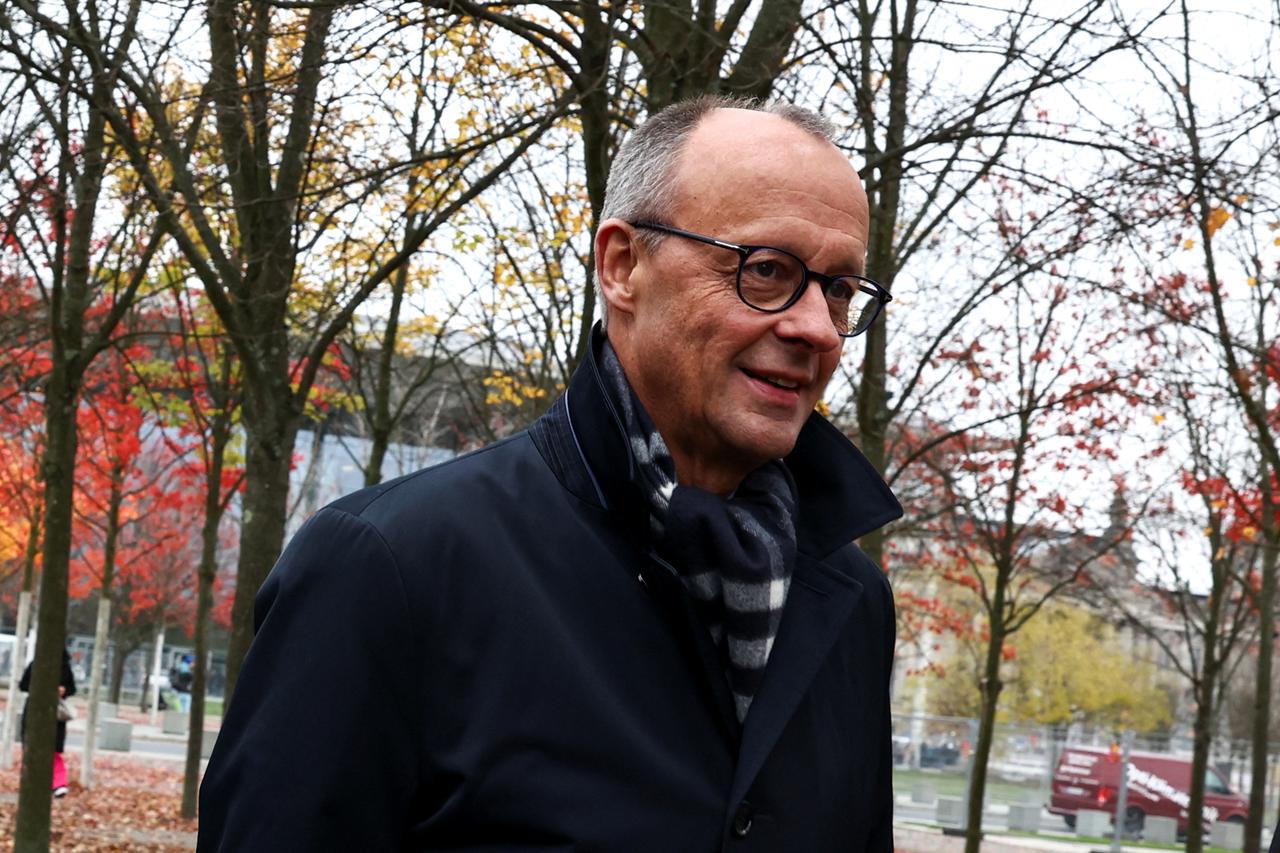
772,280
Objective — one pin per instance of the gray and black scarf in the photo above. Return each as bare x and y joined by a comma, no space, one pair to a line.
735,555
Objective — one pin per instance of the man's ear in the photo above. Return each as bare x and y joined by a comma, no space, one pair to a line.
616,260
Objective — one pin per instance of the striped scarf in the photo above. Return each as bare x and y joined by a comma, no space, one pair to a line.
735,555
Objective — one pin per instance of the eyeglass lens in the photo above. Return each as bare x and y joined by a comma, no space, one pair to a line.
770,277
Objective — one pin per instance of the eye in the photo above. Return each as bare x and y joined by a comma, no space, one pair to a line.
839,290
771,265
762,269
769,278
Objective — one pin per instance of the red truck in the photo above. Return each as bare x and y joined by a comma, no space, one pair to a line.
1159,785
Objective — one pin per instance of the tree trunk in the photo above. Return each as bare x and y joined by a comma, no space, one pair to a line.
31,833
266,499
766,50
117,672
70,293
380,417
1202,734
991,686
1262,692
1202,726
884,199
206,574
597,140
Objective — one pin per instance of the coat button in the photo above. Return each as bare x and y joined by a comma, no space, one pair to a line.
742,820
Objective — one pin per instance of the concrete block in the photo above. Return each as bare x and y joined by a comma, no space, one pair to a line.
1025,817
1163,830
924,791
951,811
108,710
1227,834
116,734
1094,823
206,743
175,723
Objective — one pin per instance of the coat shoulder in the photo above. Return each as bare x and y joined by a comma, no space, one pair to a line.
439,487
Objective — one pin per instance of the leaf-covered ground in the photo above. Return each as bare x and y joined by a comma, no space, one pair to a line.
133,806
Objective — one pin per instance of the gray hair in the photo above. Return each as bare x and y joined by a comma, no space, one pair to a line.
641,185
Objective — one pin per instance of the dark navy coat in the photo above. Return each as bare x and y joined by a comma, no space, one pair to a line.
485,656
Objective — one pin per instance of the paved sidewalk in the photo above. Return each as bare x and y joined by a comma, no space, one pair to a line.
146,740
918,839
913,838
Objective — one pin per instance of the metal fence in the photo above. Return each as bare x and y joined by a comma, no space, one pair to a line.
933,759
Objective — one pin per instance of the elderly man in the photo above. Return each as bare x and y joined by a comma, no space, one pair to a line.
641,624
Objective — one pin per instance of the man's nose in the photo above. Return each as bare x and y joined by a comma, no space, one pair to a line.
809,320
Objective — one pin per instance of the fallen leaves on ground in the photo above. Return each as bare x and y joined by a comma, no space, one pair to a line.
133,806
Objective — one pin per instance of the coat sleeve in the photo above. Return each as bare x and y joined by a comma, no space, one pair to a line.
318,748
881,839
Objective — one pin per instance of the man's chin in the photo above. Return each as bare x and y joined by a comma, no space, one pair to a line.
774,442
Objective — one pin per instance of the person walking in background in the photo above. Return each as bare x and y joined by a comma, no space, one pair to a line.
66,688
180,678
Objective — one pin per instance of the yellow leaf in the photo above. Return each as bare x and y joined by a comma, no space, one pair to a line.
823,409
1218,504
1191,244
1253,282
1159,419
1208,531
1217,218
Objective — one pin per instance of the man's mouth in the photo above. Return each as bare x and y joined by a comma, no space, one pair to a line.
775,381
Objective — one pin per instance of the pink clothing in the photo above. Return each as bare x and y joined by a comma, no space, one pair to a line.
59,771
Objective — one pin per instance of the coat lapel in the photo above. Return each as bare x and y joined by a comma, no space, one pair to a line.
694,637
819,603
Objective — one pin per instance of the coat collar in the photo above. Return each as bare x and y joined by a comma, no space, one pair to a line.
840,495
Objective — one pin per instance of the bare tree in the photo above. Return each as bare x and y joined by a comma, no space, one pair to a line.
1211,627
94,270
254,213
1211,175
928,146
1009,501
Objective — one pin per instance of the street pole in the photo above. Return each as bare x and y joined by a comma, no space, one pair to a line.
968,772
155,674
95,689
1126,740
19,662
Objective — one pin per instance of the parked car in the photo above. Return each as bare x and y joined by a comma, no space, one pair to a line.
939,755
1159,785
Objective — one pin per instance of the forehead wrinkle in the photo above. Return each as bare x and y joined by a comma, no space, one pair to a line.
788,209
813,245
